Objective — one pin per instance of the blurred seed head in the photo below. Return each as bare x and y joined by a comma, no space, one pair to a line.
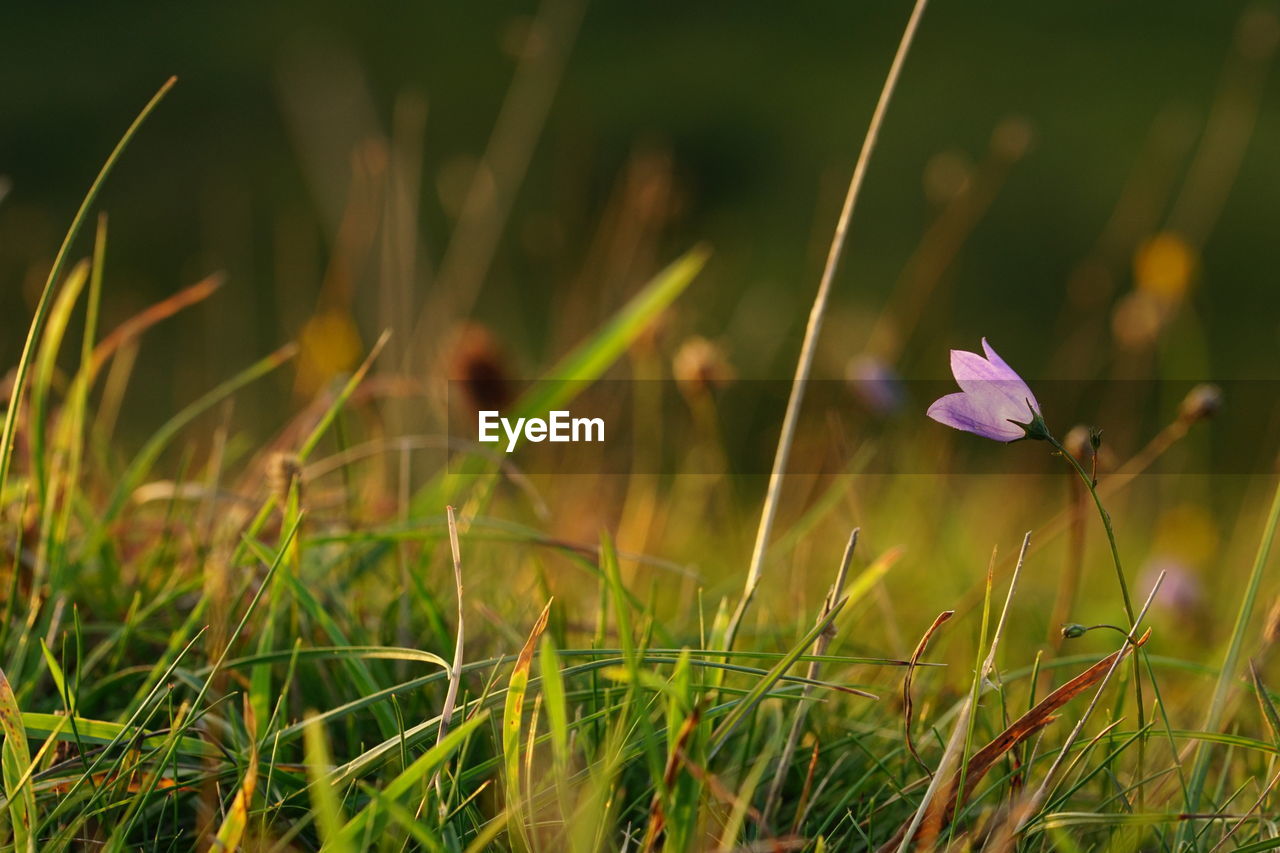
947,175
1077,442
284,473
1201,403
701,367
876,384
477,367
1165,267
1085,442
1137,320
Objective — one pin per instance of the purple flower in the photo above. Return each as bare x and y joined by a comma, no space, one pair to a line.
993,401
1181,593
876,384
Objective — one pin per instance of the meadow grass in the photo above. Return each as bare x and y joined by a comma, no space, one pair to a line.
208,645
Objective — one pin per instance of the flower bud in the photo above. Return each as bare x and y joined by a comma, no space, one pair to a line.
1201,402
1073,630
476,362
285,472
701,367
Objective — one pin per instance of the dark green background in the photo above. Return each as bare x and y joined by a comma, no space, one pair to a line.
762,105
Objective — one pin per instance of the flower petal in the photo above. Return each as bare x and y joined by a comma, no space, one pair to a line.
993,381
994,358
973,413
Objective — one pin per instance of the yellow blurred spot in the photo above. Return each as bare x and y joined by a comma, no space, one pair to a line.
1187,532
1164,267
329,344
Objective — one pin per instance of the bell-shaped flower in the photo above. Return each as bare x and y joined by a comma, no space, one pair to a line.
993,401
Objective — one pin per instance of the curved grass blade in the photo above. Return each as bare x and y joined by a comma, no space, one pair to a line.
370,820
761,687
512,719
55,273
150,452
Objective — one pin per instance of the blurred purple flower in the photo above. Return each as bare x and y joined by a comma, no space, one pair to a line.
1181,593
875,383
993,401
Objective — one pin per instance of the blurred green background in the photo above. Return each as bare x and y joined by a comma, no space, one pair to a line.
746,116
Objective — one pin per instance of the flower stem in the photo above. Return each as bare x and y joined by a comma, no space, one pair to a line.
1092,485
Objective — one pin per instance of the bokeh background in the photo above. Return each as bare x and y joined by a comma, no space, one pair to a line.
1074,133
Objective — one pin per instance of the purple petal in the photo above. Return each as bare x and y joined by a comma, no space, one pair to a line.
974,413
994,357
993,379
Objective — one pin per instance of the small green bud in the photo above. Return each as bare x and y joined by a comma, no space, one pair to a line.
1073,630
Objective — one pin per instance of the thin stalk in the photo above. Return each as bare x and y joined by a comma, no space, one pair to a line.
455,671
808,347
1046,786
1092,485
820,646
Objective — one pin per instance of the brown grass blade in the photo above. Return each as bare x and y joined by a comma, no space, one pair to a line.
1024,727
906,684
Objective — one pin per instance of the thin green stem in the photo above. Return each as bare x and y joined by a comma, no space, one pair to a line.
1106,523
1091,484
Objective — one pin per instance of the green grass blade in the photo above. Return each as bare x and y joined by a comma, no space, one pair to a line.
55,273
1227,675
15,760
369,821
324,800
150,452
590,359
46,362
766,683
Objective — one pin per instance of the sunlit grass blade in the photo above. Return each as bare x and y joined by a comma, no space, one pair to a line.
324,800
745,705
513,720
368,822
233,825
150,452
55,274
42,380
15,760
1227,675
